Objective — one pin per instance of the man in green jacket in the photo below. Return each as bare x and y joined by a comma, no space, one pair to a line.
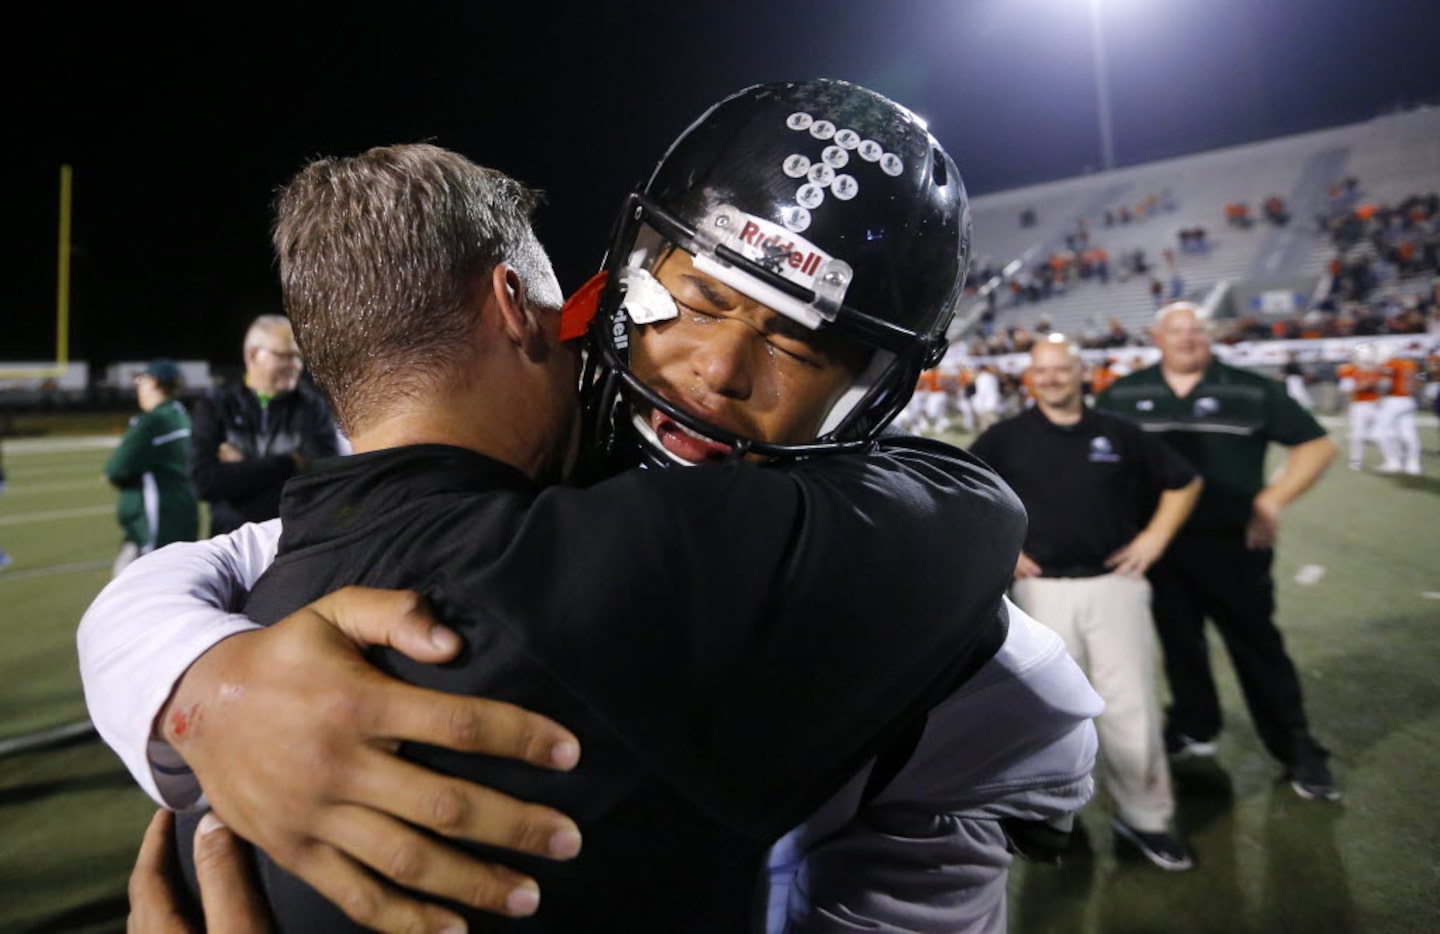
157,505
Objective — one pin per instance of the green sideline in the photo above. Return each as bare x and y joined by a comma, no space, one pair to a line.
1365,635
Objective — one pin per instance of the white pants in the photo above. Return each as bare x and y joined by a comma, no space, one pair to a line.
1107,626
1295,386
1364,418
937,410
1396,434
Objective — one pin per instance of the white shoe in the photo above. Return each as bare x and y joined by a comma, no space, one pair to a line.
1388,468
1413,469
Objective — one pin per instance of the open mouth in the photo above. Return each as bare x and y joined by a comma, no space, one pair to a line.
681,442
686,444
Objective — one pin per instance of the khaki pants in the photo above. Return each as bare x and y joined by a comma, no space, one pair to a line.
1106,624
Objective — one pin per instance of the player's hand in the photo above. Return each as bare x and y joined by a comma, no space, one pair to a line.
229,453
1134,559
232,901
1025,567
293,735
1264,526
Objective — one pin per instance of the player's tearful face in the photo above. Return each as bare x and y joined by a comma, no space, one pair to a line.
735,364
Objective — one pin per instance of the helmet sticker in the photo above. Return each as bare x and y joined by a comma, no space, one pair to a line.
822,174
810,196
796,218
646,300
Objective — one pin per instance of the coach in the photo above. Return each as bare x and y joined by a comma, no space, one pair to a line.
1222,419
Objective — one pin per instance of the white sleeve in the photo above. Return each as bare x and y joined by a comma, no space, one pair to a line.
144,631
928,853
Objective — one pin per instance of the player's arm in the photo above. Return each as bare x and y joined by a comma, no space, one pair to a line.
1174,507
233,903
145,629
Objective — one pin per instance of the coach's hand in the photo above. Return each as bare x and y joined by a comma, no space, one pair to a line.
293,736
1264,526
232,901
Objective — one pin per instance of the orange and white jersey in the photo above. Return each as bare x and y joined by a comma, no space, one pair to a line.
1401,373
929,381
1362,382
1100,378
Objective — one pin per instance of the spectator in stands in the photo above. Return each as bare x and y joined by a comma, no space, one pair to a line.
1082,570
1223,419
250,437
156,504
1117,335
1276,212
1237,214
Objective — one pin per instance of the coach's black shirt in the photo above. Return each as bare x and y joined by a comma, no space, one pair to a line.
729,643
1088,488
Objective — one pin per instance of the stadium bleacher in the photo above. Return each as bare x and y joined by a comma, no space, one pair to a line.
1392,157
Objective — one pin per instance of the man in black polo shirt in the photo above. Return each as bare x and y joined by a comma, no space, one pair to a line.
1222,419
1085,478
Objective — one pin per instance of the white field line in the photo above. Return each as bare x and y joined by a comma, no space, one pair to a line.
21,447
51,515
96,484
55,570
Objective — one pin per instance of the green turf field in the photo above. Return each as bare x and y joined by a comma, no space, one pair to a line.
1365,633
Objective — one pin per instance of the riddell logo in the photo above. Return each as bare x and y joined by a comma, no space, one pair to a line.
772,253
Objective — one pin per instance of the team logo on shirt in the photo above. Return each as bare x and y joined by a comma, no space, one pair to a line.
1145,405
1207,405
1102,451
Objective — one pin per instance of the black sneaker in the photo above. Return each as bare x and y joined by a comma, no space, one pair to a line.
1311,779
1160,848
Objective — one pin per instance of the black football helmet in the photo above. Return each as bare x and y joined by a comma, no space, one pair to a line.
820,199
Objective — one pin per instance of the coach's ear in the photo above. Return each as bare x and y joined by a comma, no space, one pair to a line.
531,331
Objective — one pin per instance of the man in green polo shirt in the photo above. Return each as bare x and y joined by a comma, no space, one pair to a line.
1222,419
156,505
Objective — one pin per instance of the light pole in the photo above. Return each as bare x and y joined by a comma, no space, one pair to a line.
1102,90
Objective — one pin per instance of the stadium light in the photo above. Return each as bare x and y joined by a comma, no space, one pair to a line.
1102,87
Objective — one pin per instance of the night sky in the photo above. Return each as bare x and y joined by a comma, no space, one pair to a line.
180,129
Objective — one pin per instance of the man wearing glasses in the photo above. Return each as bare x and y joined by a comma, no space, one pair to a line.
248,438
